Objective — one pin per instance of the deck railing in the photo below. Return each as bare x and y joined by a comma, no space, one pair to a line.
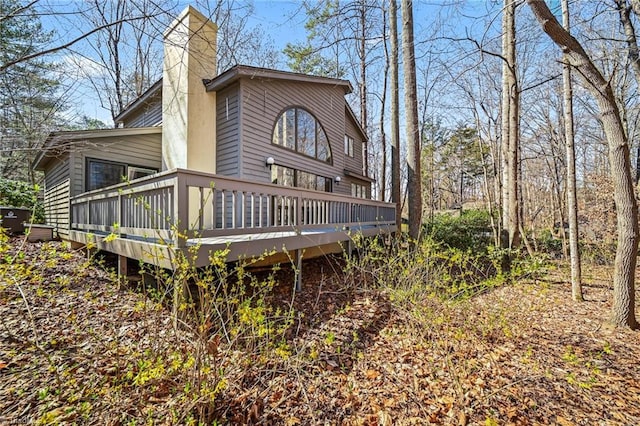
195,204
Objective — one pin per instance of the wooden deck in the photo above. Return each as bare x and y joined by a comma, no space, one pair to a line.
153,218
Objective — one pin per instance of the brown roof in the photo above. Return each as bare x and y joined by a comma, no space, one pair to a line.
233,74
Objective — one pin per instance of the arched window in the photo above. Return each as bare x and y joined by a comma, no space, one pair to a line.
298,129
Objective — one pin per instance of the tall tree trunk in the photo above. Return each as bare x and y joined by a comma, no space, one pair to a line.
504,131
383,107
624,11
623,310
395,113
572,199
510,84
362,56
510,116
412,128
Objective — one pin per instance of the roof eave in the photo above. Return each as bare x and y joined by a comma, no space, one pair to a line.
138,102
55,138
233,74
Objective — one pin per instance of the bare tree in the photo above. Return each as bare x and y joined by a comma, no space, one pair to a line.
412,129
125,51
572,198
395,112
623,310
510,128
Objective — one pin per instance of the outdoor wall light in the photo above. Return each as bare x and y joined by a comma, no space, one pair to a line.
337,180
270,161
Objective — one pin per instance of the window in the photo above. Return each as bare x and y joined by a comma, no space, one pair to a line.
298,129
359,191
104,173
287,176
138,172
348,145
282,176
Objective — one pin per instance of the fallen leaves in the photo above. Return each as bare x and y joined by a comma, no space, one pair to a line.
501,358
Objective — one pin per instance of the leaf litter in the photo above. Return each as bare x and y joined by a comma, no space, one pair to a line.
523,354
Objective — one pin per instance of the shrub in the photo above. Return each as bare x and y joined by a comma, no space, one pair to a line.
15,193
469,231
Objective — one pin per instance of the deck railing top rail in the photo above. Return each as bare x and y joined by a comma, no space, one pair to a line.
207,205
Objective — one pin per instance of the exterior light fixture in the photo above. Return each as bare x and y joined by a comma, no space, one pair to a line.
337,180
270,162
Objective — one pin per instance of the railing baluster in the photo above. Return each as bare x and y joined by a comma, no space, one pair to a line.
224,208
233,209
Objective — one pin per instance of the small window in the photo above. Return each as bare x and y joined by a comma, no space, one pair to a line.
287,176
358,191
348,145
104,173
297,129
282,176
139,172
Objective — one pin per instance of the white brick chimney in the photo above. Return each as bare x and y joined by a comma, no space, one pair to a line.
188,111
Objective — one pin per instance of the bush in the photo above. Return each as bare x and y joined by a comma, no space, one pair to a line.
550,244
469,231
15,193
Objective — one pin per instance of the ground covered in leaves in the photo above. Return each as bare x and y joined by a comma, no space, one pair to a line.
77,347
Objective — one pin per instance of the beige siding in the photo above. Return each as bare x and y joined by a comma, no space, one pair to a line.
56,207
57,171
262,103
139,150
147,115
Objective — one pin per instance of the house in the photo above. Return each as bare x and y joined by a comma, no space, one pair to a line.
252,159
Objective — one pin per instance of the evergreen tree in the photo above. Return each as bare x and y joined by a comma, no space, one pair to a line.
29,100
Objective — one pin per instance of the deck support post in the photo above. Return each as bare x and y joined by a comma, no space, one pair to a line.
123,270
298,257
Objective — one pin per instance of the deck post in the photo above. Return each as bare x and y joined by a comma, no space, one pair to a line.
298,257
123,271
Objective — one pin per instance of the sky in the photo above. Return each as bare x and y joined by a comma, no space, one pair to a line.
282,20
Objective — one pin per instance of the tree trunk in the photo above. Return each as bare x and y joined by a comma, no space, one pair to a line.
412,128
572,199
383,107
623,310
513,124
504,130
624,11
362,56
395,114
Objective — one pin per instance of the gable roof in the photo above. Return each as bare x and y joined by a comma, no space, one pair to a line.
233,74
60,141
155,89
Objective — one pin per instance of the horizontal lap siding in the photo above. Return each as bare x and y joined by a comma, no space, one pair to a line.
263,101
56,207
354,164
138,150
228,132
148,115
57,171
56,194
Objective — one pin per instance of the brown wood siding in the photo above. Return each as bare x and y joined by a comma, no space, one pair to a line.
138,150
262,103
228,132
146,116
